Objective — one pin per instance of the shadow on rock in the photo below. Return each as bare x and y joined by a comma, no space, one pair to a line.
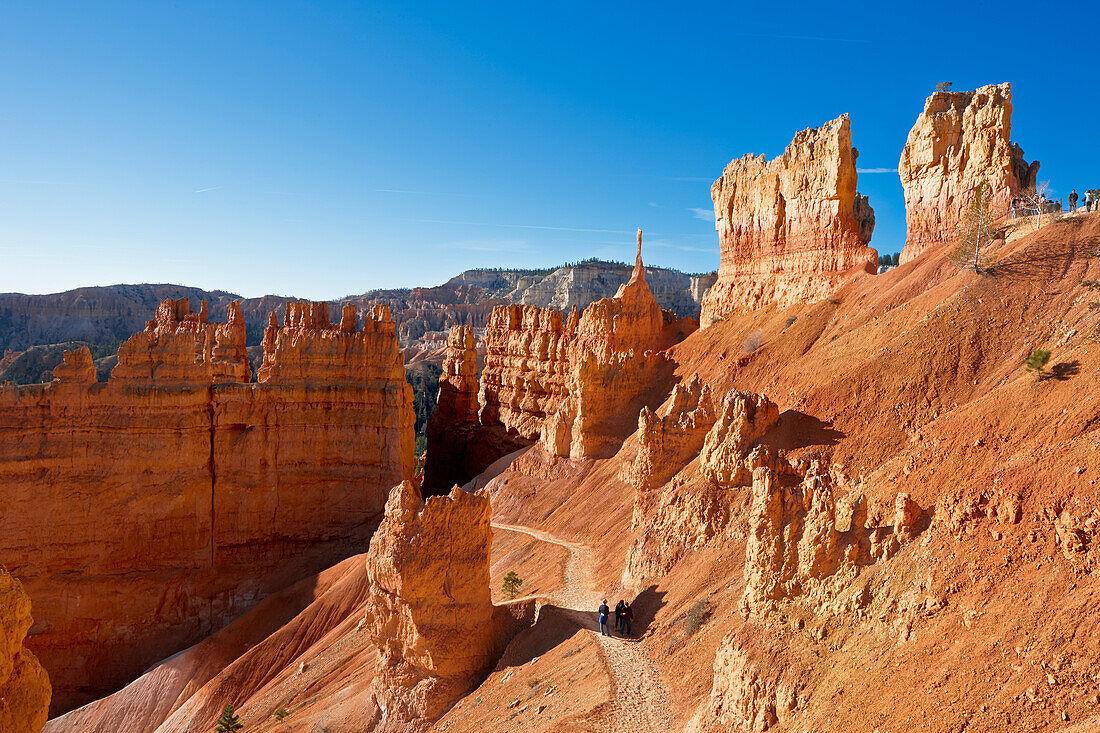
646,605
1064,370
798,430
555,625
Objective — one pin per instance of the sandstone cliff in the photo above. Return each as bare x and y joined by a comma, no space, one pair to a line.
960,140
24,686
143,513
790,229
576,383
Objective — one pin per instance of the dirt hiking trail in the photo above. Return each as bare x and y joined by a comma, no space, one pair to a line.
639,700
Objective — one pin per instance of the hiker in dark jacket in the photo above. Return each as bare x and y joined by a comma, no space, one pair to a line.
1073,200
619,614
628,616
604,612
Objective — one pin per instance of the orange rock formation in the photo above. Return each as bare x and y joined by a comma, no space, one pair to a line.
382,642
143,513
960,140
24,686
576,383
429,610
672,516
790,229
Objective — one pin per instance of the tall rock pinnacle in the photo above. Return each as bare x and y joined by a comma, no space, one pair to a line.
639,268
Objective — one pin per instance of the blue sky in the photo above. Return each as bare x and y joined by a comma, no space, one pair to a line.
326,149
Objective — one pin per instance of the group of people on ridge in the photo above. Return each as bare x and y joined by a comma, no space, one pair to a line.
1091,201
1018,207
624,614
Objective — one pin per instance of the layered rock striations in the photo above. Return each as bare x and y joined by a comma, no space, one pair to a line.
790,229
24,685
959,141
144,512
577,382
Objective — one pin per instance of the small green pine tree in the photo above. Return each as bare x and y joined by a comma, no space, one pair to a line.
228,722
977,230
281,713
1037,362
512,583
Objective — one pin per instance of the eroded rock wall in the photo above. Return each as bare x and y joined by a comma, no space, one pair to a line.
790,229
674,513
960,140
795,548
143,513
576,383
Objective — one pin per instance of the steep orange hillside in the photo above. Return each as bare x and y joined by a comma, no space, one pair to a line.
916,544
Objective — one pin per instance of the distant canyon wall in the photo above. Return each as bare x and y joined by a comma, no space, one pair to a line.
109,315
143,513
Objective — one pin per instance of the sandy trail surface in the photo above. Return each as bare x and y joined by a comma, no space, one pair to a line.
639,700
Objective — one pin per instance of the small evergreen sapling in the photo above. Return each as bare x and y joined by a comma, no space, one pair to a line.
977,230
1037,362
228,722
512,583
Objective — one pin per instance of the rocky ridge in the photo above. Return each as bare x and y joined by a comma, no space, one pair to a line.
574,383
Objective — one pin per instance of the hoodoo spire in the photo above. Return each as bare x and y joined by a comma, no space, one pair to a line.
639,268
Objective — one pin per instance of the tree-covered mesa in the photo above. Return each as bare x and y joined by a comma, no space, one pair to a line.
424,379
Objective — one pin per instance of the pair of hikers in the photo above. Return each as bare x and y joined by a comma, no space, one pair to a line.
624,614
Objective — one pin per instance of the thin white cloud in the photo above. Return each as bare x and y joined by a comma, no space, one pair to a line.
491,245
876,170
681,247
654,204
421,193
704,214
209,188
524,226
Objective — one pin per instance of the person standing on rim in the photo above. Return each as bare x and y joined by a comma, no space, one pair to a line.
604,612
1073,200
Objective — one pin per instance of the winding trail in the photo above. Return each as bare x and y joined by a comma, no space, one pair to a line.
639,701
